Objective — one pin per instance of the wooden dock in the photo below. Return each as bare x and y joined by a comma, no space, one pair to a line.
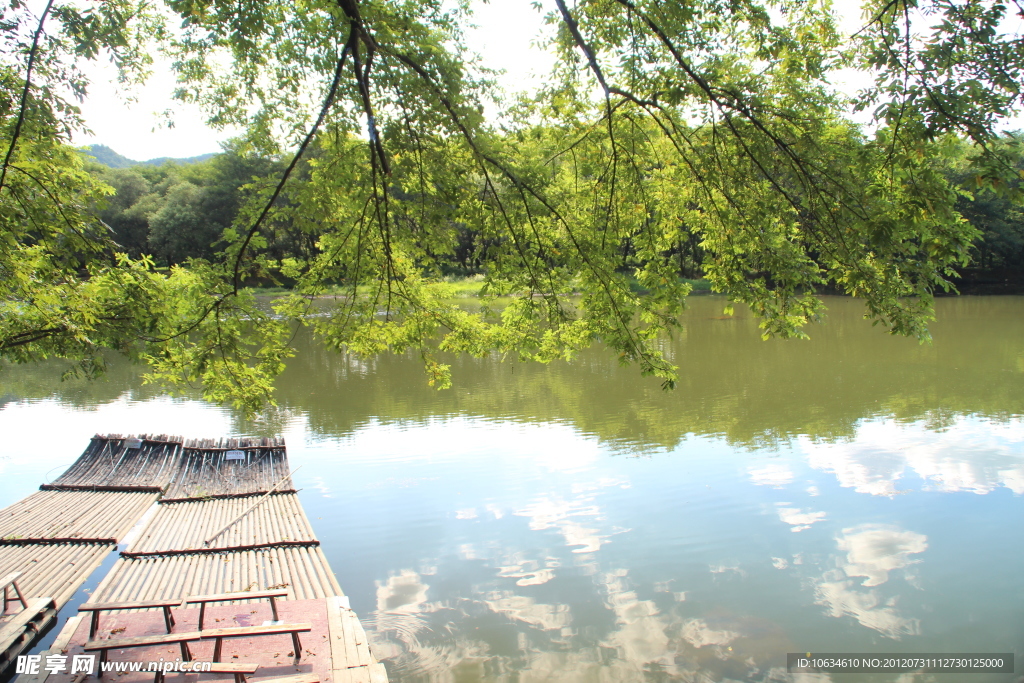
226,521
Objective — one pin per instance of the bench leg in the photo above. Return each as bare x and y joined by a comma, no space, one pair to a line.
202,614
273,608
103,659
5,601
21,598
239,677
94,624
216,649
297,645
186,654
168,619
159,678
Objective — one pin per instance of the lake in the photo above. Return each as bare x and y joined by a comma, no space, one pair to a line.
853,492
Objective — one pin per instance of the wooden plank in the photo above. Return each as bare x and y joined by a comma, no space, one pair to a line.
298,678
233,631
356,636
60,646
139,604
18,634
63,639
241,595
232,668
9,579
13,629
349,648
378,674
141,641
335,633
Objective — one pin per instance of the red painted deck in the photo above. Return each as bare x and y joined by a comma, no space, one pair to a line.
345,660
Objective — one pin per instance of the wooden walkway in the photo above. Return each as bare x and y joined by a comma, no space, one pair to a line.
227,521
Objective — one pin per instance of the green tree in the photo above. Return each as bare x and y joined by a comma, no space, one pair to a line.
180,229
714,126
129,224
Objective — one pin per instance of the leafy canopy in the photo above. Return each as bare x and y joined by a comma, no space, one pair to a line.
705,128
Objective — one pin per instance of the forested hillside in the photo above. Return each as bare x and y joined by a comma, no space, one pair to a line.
108,157
175,212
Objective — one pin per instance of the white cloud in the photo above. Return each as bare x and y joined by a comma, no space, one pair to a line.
874,551
973,455
529,611
404,592
547,513
774,474
699,634
843,599
797,518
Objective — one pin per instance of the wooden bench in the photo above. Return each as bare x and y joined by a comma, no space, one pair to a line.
8,582
202,600
219,634
239,669
97,607
183,639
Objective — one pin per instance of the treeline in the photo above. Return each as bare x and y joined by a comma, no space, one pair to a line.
180,211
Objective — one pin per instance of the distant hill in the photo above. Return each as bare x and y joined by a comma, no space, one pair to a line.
108,157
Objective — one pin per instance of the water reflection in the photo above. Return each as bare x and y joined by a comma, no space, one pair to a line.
872,552
752,393
968,454
798,519
855,492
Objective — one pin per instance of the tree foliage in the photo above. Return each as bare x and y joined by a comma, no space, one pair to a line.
671,136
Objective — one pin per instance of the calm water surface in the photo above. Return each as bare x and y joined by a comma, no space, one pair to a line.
852,493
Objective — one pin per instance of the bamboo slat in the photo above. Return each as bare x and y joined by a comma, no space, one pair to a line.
107,462
56,571
304,570
188,525
73,515
206,471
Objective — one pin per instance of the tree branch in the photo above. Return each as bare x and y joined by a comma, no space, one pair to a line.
24,92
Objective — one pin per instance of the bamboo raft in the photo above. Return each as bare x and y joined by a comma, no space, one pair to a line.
304,571
227,520
110,463
190,524
73,516
54,571
212,468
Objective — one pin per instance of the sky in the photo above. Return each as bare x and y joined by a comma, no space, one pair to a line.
138,130
503,38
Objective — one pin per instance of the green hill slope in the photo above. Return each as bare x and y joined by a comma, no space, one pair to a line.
108,157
